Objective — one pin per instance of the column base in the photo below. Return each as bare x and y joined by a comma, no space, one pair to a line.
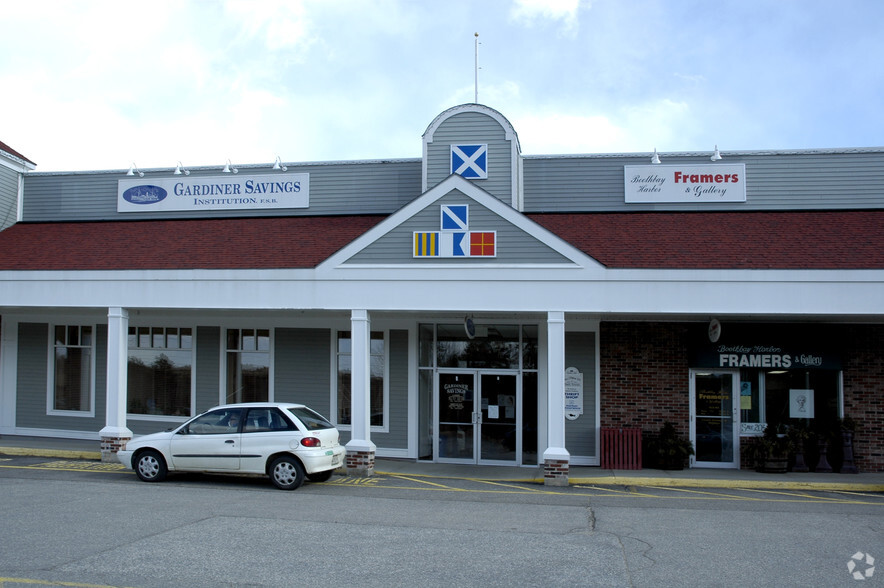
360,463
110,446
555,472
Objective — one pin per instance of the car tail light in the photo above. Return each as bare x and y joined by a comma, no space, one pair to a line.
311,442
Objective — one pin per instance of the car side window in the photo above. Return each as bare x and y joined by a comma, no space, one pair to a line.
265,419
217,422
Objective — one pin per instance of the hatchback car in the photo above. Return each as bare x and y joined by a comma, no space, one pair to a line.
287,442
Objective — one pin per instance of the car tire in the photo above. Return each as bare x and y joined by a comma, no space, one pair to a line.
150,466
286,473
321,476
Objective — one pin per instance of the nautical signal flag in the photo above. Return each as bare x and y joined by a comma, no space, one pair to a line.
455,244
482,244
455,239
426,244
470,161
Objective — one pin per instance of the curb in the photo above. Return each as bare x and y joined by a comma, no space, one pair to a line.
576,481
61,453
673,483
732,484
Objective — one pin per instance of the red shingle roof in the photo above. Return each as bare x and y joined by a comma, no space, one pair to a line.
13,152
726,240
663,240
240,243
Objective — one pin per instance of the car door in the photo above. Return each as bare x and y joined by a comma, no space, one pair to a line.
265,432
210,442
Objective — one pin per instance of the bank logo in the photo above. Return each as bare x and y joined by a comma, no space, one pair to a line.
470,161
861,566
144,194
454,239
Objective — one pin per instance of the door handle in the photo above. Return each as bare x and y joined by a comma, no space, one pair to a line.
229,441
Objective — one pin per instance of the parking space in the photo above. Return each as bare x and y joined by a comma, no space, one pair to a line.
398,484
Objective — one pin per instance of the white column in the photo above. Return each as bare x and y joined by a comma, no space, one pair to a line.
8,371
555,378
360,392
115,433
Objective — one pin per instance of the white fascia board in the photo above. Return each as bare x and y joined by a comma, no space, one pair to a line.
766,292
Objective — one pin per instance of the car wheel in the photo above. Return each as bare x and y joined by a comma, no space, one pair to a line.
320,476
286,473
150,466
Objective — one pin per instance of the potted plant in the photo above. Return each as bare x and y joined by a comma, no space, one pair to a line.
772,451
798,435
669,450
848,430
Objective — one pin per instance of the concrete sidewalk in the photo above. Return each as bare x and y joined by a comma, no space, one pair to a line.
696,477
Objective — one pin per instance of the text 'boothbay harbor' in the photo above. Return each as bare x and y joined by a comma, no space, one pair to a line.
214,193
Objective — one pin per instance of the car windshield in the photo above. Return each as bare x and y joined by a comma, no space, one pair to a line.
312,420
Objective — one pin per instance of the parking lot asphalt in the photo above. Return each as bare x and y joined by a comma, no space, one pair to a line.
687,478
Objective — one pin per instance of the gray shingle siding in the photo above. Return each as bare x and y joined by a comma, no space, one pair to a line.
774,181
337,188
473,128
580,433
513,244
8,197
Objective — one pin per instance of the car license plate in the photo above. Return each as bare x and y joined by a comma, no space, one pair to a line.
336,460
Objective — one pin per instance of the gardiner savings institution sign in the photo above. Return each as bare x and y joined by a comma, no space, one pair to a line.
685,183
250,192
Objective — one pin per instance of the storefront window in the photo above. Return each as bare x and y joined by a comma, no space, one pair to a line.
376,379
493,347
72,390
159,371
248,365
787,397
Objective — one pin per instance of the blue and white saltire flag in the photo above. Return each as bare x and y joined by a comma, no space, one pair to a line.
470,161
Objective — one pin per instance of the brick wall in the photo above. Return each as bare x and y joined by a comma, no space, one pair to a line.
864,392
644,375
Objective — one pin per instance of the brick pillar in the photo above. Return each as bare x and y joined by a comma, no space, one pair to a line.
360,462
110,446
555,472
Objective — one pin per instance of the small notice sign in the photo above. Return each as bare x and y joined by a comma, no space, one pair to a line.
573,393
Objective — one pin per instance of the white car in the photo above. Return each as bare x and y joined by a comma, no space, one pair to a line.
286,442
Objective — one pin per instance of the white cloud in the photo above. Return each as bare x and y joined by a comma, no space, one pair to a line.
633,129
529,12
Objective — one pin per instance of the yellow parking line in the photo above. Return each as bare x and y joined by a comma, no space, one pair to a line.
4,581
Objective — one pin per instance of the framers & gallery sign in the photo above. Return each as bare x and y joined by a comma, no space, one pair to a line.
685,183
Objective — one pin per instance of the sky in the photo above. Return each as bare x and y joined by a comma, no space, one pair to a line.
100,85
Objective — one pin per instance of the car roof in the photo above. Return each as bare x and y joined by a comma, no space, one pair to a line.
260,405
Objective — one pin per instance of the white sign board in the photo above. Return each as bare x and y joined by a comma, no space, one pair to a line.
685,183
228,192
573,393
800,404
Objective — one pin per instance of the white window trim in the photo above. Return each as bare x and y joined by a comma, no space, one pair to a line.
50,390
170,418
222,363
385,428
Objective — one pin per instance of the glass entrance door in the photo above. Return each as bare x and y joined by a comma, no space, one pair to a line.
499,422
715,427
479,420
457,416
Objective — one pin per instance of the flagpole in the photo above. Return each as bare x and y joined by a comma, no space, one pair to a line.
476,95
